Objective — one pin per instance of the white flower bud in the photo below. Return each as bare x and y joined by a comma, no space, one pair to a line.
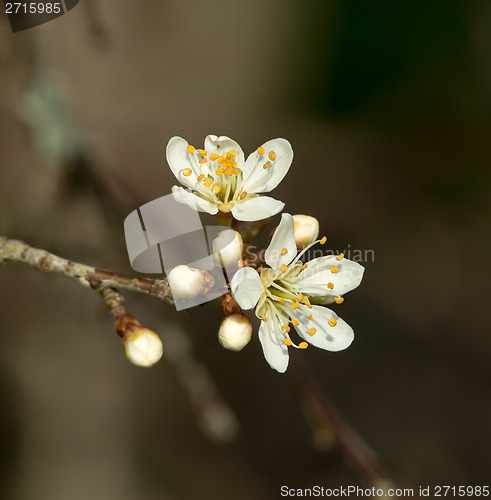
143,347
235,331
306,229
227,249
186,282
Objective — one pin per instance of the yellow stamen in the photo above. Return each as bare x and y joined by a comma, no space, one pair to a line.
272,156
207,182
283,268
303,345
219,171
285,328
190,149
263,317
340,256
216,188
284,251
203,160
338,300
202,152
281,300
214,157
304,267
236,171
187,172
287,342
332,322
310,317
295,322
300,297
323,240
201,177
243,195
294,305
228,172
312,331
330,286
267,164
334,269
260,150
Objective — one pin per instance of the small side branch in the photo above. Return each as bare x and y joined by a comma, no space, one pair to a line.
89,276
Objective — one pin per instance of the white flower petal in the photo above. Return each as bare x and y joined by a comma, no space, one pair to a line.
181,195
313,280
261,207
246,287
179,159
274,349
220,145
283,237
261,180
331,338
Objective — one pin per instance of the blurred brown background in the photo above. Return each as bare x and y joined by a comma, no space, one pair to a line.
387,106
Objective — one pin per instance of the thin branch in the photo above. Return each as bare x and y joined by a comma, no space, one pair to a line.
89,276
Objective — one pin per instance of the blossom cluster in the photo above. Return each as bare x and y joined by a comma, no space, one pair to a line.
287,293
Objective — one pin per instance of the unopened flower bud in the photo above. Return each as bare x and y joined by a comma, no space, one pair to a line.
235,332
227,249
186,282
143,347
306,229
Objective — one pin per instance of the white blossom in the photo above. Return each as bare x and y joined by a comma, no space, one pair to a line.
187,282
227,249
283,294
219,179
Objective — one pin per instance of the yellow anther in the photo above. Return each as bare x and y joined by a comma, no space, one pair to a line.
284,268
190,149
334,269
272,156
202,152
284,251
243,195
306,301
236,171
219,171
311,331
187,172
207,182
287,342
330,286
267,164
203,160
214,157
294,305
260,150
216,188
303,345
281,300
338,300
310,317
304,267
263,317
300,297
295,322
332,322
201,177
228,172
285,328
340,256
323,240
234,164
